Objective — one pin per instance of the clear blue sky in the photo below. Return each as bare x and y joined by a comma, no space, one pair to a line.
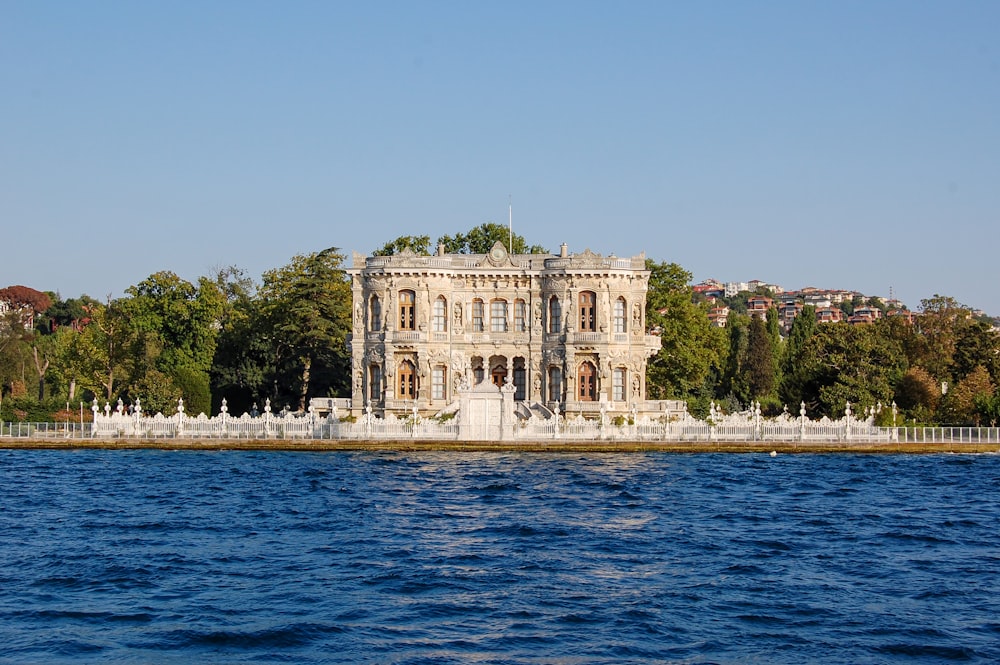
834,144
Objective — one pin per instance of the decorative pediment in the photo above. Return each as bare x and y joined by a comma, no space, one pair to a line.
497,257
588,259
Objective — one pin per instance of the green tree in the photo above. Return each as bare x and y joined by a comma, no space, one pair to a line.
243,362
691,347
937,327
803,328
307,307
976,345
842,363
760,360
416,244
42,351
482,238
63,372
106,350
988,408
958,406
71,313
734,386
918,394
15,353
177,325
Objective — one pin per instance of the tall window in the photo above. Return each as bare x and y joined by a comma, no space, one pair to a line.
375,314
407,381
519,383
587,388
555,315
587,320
477,315
498,316
520,316
439,377
440,319
620,315
407,300
375,383
618,384
555,384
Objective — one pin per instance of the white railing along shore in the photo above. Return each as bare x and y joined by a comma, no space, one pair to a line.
748,426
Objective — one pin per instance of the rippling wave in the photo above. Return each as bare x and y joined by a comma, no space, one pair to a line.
242,557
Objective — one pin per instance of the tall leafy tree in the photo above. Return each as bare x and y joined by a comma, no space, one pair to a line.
42,352
958,406
918,394
307,305
15,353
68,359
691,347
107,350
760,360
937,327
842,363
734,384
803,328
977,344
988,408
480,239
242,365
177,323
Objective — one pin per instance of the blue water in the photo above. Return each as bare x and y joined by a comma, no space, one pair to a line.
240,557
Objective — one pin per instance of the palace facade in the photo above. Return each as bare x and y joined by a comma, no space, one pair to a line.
564,330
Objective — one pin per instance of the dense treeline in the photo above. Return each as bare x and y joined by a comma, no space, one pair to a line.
284,339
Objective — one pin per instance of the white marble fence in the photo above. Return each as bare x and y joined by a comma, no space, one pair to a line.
749,425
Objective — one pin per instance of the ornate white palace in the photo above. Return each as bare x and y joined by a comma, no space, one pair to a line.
563,332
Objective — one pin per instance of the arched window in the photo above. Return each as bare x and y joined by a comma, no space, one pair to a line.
555,315
375,314
407,307
587,314
498,316
587,382
618,376
375,383
620,309
407,381
477,315
440,318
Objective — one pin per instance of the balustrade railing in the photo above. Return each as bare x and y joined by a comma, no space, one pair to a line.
599,424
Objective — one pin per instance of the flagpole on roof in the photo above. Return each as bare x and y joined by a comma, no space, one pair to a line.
510,226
